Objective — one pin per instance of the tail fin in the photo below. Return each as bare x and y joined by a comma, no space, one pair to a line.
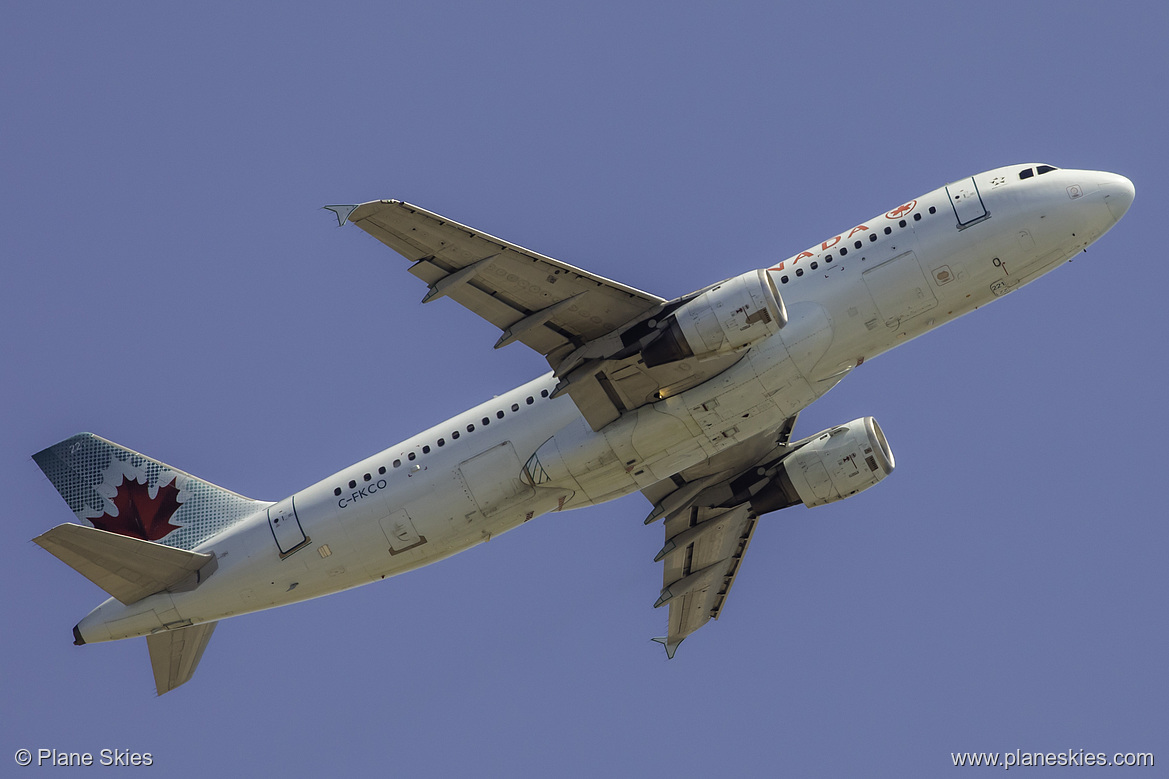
122,491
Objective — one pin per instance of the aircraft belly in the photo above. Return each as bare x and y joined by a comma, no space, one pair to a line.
655,431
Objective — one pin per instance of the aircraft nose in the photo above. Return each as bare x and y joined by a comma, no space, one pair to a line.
1118,194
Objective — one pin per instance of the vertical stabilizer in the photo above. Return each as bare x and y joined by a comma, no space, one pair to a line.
121,491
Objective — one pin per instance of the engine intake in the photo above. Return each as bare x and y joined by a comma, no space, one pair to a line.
728,316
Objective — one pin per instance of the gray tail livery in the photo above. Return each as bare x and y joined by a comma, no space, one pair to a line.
121,491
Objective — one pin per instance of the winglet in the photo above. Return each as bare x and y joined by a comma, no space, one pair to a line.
671,646
342,213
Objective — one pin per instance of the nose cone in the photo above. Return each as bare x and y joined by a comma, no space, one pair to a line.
1118,194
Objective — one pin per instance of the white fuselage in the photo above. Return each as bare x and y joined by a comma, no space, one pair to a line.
850,298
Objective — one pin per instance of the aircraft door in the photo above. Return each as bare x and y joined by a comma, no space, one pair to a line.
967,202
285,527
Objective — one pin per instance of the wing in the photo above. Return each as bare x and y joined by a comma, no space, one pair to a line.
589,328
548,305
708,527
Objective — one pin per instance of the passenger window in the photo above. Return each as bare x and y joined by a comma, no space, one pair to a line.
543,393
382,470
857,245
455,435
799,271
397,463
933,210
426,450
499,414
901,223
888,231
872,237
486,420
515,406
411,456
531,400
368,477
442,442
352,484
814,266
337,491
843,251
917,217
470,428
783,279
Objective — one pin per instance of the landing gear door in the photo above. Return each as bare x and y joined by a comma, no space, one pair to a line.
967,202
285,526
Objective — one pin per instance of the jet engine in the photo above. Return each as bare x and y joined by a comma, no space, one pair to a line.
833,465
728,316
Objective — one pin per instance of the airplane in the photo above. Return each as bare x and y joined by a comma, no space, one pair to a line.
692,401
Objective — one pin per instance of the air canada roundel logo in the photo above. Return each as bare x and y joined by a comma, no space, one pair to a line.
139,515
901,211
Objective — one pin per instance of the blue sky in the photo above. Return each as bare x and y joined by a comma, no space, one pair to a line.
170,283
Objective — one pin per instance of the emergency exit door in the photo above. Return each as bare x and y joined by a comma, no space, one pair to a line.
285,525
967,202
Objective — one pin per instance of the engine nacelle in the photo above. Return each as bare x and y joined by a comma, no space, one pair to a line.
836,464
728,316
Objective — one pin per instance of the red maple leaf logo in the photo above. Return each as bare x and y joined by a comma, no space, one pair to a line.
139,515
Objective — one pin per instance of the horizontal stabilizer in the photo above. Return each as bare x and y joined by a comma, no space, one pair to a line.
175,654
127,568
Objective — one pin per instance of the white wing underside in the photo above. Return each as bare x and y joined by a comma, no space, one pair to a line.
719,552
710,554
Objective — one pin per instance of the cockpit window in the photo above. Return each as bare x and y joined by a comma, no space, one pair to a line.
1026,174
1045,169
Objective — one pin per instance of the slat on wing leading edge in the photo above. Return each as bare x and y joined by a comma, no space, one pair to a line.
510,283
